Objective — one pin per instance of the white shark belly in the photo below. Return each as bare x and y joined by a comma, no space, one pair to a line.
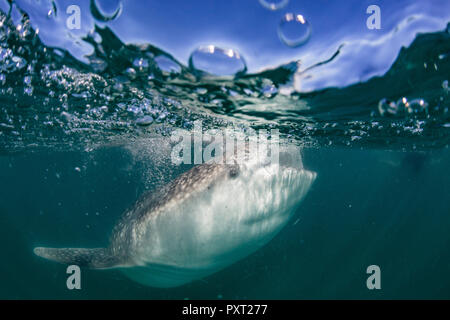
218,226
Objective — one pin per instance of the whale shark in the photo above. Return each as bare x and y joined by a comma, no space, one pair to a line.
206,219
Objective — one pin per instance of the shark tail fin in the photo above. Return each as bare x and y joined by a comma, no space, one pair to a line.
98,258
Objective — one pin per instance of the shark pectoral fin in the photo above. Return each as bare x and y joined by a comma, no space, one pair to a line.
98,258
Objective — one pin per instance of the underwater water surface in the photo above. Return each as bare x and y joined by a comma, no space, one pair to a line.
86,117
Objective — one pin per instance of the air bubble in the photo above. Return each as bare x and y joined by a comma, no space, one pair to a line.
294,30
140,63
19,62
144,121
27,80
106,10
402,105
387,107
274,4
269,90
167,65
131,73
53,11
28,91
217,61
5,53
417,106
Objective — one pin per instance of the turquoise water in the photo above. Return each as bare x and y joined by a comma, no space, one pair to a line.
81,140
366,207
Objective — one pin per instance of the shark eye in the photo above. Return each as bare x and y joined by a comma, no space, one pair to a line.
234,171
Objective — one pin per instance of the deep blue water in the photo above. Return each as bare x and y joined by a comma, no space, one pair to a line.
361,211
